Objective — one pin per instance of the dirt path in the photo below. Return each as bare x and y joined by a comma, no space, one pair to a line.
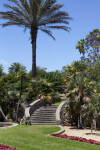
84,133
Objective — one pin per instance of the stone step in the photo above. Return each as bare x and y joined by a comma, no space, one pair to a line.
50,106
43,123
44,115
46,110
43,119
49,109
41,113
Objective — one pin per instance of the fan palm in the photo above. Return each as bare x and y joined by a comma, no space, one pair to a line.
78,91
35,15
16,67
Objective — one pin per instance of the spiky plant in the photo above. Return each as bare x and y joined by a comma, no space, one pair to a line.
35,15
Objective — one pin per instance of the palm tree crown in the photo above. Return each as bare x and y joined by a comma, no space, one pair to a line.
35,15
16,67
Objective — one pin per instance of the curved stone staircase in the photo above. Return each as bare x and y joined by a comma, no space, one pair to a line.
44,115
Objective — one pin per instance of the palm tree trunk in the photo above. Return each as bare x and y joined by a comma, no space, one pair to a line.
78,120
81,126
80,112
19,101
33,38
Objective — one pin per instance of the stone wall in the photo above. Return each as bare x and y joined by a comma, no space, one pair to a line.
65,118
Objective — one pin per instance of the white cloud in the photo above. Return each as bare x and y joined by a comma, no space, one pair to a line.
3,62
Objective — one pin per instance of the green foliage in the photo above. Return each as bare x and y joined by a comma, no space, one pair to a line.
41,89
40,72
57,80
82,92
16,67
1,71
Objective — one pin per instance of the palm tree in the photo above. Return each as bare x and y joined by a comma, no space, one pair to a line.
78,92
77,87
36,15
16,67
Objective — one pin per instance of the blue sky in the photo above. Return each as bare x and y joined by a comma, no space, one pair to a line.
15,44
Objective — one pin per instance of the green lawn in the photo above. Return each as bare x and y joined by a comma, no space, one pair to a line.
35,138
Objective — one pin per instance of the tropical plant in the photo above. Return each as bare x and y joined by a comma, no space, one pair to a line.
77,88
92,106
40,72
57,80
78,92
8,97
36,87
35,15
16,67
22,77
11,89
1,71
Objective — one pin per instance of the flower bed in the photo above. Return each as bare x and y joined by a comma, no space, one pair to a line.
6,147
77,138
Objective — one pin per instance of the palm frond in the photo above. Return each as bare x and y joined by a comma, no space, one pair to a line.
13,19
59,27
10,23
19,12
25,5
58,17
46,9
48,32
53,21
36,14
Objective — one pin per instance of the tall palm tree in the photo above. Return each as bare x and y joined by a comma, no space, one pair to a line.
36,15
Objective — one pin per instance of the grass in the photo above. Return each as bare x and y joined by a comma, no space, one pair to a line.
58,103
35,138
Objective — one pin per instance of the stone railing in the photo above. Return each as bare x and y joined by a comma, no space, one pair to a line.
30,109
58,112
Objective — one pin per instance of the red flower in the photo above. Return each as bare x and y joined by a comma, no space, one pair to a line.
77,138
6,147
